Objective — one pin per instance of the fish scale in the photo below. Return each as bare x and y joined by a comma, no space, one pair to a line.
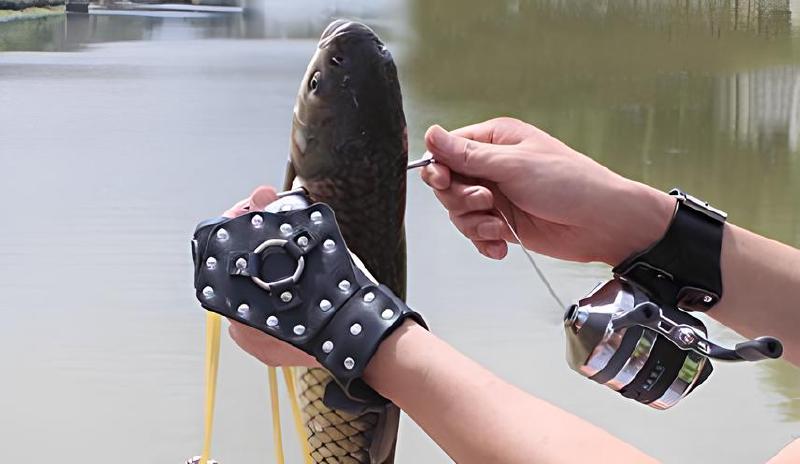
370,217
332,433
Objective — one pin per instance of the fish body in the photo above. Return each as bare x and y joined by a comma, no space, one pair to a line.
349,149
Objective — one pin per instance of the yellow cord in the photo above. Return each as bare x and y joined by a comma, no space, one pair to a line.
276,414
212,366
213,329
288,377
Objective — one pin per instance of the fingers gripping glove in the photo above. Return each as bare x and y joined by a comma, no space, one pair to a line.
290,275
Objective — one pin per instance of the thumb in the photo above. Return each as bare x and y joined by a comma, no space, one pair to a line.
261,197
462,155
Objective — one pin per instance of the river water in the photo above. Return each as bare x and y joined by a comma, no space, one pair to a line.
118,133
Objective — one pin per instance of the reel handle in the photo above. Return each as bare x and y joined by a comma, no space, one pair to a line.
648,314
759,348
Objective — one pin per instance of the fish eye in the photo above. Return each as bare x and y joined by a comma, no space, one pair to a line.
336,60
314,82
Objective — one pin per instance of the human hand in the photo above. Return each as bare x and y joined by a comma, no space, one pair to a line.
561,202
269,350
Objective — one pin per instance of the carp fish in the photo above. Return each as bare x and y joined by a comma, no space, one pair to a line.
349,149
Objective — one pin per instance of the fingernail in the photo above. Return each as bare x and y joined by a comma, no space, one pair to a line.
495,250
488,230
438,136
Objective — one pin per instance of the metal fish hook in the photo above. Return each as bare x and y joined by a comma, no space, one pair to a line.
420,163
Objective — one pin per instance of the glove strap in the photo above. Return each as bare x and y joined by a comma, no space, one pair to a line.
348,342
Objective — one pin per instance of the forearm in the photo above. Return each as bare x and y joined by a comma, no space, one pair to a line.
475,416
761,289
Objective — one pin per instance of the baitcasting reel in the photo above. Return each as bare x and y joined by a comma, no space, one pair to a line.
654,354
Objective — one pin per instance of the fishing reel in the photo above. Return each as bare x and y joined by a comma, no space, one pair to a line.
634,333
654,354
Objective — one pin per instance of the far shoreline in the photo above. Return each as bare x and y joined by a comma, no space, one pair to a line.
33,12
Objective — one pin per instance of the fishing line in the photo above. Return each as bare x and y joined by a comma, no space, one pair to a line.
536,267
427,159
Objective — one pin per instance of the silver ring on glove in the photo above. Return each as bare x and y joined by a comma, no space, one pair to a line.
294,278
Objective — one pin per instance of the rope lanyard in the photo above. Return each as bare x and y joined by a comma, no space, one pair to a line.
212,366
213,329
289,377
277,438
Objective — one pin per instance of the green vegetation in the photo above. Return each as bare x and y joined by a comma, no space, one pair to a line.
29,13
40,32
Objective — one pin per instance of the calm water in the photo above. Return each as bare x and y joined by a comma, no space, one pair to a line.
119,133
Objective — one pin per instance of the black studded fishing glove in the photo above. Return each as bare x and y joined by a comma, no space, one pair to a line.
289,274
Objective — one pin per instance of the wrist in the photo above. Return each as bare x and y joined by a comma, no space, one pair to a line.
646,212
397,360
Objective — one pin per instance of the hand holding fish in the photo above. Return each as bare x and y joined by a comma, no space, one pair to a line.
561,202
282,268
269,350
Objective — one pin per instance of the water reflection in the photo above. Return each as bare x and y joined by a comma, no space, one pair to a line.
643,86
260,19
787,383
74,31
760,108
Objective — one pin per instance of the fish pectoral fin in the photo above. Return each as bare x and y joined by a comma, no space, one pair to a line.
298,182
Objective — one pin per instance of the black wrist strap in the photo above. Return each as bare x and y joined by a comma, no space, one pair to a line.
683,268
352,337
290,275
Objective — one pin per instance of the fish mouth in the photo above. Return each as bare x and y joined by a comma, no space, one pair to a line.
346,27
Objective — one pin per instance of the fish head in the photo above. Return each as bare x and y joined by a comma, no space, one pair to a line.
348,103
